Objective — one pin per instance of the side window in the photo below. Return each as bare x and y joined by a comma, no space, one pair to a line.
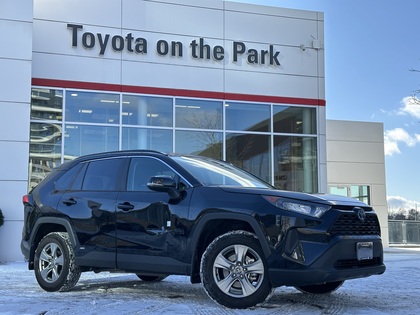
101,175
77,183
141,169
64,182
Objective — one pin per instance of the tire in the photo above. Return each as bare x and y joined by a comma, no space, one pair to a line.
54,263
148,278
234,271
325,288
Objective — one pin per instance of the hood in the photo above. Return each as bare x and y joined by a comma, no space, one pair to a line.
326,199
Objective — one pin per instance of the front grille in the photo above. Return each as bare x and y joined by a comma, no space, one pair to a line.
350,224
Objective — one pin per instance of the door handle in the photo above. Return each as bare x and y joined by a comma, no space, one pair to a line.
126,206
69,202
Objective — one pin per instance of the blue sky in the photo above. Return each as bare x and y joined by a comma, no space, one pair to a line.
370,47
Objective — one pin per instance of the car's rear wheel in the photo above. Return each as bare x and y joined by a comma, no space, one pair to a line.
234,271
325,288
148,278
54,263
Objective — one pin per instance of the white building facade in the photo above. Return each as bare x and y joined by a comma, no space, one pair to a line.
233,81
356,165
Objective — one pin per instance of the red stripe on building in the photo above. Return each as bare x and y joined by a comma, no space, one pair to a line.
176,92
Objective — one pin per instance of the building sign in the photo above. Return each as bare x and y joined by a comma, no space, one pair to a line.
197,48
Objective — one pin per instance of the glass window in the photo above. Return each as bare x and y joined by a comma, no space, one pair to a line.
142,169
199,143
214,172
147,111
339,190
142,138
46,104
359,192
44,150
199,114
92,107
77,183
247,117
93,121
64,182
294,120
101,175
250,152
295,163
82,140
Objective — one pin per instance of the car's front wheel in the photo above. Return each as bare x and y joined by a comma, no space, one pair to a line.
325,288
234,271
54,263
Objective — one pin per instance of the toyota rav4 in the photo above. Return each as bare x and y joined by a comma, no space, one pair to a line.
155,215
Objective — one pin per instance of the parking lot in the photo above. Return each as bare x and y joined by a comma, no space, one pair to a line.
395,292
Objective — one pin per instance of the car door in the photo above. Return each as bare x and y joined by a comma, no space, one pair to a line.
90,206
151,228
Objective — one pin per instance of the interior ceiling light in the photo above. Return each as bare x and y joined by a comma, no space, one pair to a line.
187,106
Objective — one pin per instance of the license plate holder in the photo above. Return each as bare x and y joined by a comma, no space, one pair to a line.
364,250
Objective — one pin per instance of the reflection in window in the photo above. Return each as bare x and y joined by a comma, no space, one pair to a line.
93,122
142,169
46,104
295,163
247,117
147,111
44,151
92,107
142,138
250,152
101,175
214,172
202,143
294,120
82,140
200,114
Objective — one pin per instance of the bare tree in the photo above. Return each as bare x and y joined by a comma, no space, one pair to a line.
414,97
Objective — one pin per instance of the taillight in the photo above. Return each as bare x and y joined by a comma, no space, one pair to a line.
25,199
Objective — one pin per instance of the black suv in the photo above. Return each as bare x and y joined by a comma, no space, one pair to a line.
155,214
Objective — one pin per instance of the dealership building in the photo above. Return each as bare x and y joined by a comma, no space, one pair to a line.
228,80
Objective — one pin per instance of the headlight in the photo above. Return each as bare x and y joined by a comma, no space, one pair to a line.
304,208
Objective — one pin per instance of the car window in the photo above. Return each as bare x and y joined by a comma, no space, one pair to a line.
78,181
101,175
213,172
142,168
64,182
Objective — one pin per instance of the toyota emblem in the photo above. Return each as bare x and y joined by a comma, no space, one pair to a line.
361,214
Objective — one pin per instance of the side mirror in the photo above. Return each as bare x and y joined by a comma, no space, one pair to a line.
164,183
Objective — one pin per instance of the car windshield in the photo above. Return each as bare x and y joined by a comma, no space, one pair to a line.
211,172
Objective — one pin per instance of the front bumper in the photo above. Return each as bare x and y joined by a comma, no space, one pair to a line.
309,263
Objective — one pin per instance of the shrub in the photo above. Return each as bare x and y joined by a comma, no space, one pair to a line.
1,218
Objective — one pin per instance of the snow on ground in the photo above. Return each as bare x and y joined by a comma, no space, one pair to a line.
397,291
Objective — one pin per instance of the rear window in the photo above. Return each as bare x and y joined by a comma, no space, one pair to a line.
65,181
